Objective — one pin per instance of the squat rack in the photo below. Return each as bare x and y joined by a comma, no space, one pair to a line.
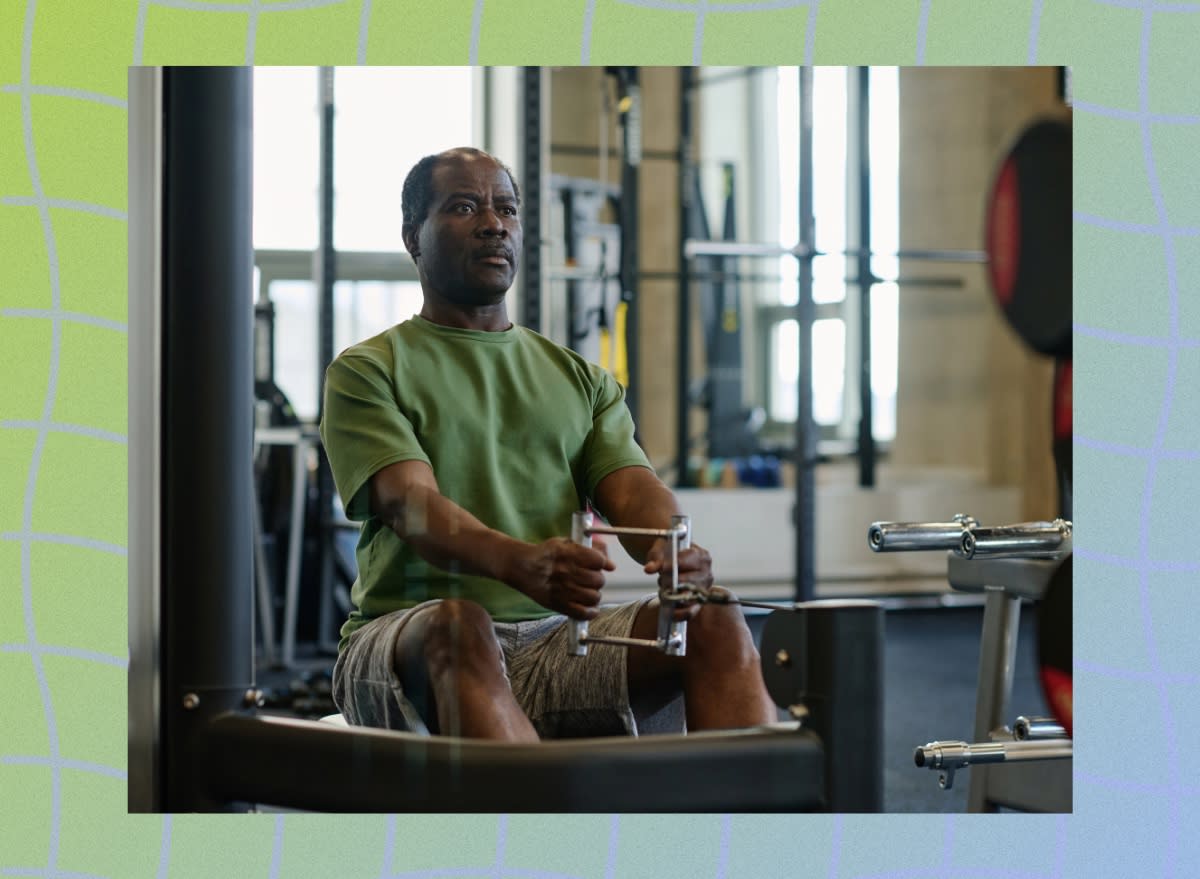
804,454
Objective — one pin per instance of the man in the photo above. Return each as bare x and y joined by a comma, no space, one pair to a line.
464,443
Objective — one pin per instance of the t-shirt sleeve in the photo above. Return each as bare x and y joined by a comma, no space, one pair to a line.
611,445
363,429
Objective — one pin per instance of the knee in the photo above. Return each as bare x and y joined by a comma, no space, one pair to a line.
459,633
718,636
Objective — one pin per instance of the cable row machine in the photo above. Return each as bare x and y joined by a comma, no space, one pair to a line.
197,739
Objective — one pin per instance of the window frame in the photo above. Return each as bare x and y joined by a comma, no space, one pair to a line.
842,436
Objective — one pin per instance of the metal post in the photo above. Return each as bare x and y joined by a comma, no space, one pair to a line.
866,280
574,336
997,660
824,662
326,276
531,196
672,633
207,415
805,453
325,267
577,630
684,323
145,689
630,103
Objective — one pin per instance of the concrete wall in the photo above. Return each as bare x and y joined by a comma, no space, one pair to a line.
970,394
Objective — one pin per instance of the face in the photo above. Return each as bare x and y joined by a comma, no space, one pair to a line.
468,247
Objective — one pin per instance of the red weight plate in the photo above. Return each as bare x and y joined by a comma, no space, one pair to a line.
1062,401
1004,232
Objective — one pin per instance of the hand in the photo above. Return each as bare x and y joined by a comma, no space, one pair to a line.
562,575
695,567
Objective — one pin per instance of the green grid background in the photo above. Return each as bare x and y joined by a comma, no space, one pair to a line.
63,397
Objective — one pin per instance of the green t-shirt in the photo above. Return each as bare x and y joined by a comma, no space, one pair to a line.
518,431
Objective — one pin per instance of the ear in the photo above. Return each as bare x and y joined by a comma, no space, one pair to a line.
408,232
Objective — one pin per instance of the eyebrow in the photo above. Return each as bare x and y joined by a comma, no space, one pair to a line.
474,196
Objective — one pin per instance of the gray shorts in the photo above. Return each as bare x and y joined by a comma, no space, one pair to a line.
563,696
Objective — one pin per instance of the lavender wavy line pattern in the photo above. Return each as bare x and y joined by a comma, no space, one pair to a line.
700,10
1170,234
1170,786
1169,732
56,760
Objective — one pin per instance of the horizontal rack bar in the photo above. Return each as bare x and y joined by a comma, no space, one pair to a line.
695,247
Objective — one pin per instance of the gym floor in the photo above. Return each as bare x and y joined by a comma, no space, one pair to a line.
931,660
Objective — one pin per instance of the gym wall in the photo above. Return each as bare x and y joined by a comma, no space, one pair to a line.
970,394
973,402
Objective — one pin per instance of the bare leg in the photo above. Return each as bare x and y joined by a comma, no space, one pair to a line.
720,674
448,658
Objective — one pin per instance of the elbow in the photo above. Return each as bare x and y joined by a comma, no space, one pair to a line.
405,509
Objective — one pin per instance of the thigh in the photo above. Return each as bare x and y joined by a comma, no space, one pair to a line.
568,696
366,687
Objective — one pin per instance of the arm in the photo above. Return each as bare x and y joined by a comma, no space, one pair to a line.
635,497
556,573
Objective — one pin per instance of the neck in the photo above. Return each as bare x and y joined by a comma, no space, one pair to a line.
488,318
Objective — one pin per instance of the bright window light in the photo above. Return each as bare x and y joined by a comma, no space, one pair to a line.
387,119
831,212
286,152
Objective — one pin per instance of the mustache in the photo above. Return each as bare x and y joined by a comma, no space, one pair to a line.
495,250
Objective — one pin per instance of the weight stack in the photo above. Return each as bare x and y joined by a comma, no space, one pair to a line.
828,657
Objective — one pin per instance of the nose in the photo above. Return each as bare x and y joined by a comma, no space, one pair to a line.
490,222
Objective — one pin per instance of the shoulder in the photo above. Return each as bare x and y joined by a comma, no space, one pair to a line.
374,359
380,350
589,373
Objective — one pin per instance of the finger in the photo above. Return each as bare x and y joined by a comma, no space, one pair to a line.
580,611
586,578
595,559
656,556
582,596
696,568
694,558
656,563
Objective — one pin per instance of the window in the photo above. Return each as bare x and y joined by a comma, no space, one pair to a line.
835,178
374,146
376,141
286,154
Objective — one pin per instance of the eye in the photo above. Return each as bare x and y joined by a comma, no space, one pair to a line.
462,207
509,210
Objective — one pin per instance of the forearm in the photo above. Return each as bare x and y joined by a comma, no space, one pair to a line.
652,506
448,537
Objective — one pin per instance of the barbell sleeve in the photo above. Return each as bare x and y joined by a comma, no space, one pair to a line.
948,756
918,536
956,755
1026,539
1037,728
